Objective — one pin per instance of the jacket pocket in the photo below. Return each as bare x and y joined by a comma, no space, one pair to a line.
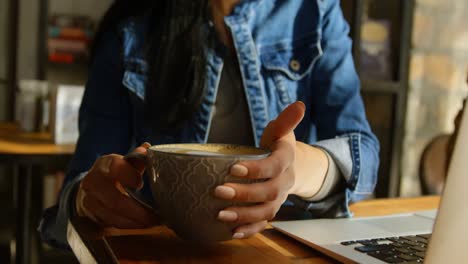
294,60
289,64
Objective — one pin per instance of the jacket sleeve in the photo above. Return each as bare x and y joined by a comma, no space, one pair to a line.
104,128
338,112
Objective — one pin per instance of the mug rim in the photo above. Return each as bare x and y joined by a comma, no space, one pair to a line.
265,154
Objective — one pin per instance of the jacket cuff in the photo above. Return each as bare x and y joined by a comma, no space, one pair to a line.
53,225
336,202
339,150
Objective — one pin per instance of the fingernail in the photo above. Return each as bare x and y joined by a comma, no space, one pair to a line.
239,170
146,145
227,216
106,165
238,236
140,185
225,192
301,104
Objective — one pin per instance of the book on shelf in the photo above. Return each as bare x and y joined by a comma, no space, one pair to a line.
69,38
65,45
70,33
67,51
62,58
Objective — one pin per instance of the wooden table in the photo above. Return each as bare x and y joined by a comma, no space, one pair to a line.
92,244
24,151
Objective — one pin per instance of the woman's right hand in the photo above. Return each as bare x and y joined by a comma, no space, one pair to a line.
101,196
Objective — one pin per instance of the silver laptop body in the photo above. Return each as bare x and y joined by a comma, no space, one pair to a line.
449,240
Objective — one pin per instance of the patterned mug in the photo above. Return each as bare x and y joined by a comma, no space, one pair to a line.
183,178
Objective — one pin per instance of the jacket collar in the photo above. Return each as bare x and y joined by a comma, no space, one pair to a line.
245,7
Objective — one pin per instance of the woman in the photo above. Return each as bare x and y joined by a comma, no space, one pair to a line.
220,71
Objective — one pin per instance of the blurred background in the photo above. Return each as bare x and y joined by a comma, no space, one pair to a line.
412,56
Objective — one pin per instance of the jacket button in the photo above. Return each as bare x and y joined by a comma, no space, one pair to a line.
295,65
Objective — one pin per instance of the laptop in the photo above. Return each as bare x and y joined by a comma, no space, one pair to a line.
425,236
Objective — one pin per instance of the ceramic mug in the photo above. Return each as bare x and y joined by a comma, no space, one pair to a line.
183,178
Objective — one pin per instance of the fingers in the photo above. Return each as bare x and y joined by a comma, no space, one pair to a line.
118,203
115,168
103,199
278,169
249,230
276,165
280,159
284,124
252,219
139,165
250,214
270,190
123,172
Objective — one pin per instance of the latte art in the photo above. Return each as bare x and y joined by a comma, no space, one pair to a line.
211,150
191,152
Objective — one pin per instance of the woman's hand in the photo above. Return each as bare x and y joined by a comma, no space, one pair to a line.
278,170
101,196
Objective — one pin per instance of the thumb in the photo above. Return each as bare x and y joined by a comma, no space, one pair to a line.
137,163
284,124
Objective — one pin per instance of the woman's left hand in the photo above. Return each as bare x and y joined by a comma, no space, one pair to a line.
278,170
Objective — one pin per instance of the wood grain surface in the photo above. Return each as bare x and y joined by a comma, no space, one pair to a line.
15,142
160,245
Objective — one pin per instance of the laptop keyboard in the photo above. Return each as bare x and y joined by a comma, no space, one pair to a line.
404,249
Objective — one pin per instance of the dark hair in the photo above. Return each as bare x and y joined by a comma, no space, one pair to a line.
175,52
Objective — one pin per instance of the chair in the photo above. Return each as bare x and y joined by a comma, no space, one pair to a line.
433,165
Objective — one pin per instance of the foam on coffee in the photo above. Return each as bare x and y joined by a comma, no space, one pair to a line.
210,150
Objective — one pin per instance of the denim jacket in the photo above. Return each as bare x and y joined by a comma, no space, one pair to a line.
287,51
